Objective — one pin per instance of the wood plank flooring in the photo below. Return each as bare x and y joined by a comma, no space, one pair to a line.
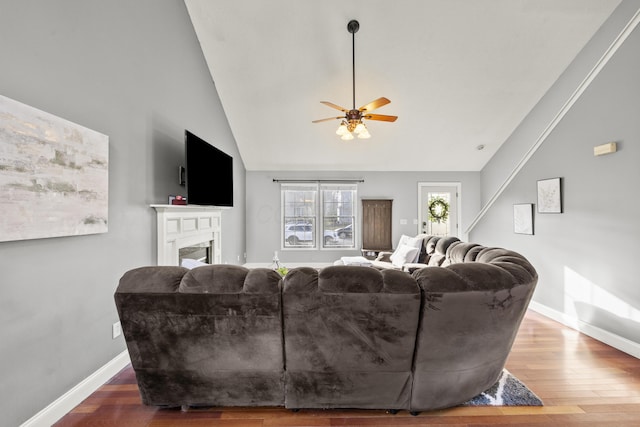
581,381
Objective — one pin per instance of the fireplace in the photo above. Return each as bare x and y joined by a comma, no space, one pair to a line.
188,232
199,252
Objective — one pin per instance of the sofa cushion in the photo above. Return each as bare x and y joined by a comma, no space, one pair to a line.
161,279
214,279
440,253
414,242
349,336
214,338
429,248
457,252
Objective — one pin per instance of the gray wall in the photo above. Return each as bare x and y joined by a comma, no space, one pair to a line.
263,207
586,257
134,71
526,134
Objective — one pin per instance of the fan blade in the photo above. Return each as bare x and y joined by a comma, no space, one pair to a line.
326,120
374,104
332,105
381,117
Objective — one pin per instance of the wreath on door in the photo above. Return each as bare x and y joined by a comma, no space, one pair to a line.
438,209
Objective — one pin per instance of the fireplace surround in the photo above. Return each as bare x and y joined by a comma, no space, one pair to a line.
186,230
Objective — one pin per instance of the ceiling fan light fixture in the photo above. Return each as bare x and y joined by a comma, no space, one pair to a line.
360,127
352,121
342,129
364,134
348,136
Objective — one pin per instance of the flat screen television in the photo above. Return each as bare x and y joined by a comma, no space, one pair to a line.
208,173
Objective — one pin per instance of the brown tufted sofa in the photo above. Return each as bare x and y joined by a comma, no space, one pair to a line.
340,337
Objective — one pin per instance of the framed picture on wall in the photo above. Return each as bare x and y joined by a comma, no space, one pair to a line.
523,218
550,195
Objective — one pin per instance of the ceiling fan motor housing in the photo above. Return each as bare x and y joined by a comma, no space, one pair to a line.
354,115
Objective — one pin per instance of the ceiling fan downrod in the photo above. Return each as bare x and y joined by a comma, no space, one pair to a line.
353,26
352,120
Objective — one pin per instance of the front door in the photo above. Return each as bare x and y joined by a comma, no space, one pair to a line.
438,208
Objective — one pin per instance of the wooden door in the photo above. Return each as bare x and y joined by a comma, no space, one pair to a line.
376,225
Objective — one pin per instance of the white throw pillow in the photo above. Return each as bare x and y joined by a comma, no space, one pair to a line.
404,254
414,242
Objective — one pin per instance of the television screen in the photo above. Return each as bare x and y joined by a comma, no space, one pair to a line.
209,173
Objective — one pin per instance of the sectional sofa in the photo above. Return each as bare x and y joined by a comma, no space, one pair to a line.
338,337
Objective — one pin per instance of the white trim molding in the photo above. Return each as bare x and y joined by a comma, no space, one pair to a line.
586,82
65,403
615,341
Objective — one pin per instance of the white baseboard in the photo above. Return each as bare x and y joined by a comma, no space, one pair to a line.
65,403
609,338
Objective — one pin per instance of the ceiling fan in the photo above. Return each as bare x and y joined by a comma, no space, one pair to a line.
352,121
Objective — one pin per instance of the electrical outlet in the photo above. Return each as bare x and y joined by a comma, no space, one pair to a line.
116,330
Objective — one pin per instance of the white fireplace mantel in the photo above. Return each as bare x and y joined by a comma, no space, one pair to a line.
182,226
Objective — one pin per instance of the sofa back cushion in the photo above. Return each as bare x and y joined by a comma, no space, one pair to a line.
349,334
457,252
230,279
440,253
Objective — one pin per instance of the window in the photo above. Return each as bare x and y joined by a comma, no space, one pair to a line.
339,215
318,215
299,215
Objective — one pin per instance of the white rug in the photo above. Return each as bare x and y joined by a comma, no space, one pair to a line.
508,391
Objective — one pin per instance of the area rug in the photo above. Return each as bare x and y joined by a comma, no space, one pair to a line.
508,391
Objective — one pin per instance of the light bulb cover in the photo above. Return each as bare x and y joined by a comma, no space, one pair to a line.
360,127
364,134
348,136
342,129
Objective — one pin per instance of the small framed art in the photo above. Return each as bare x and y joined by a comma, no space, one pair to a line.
523,218
550,195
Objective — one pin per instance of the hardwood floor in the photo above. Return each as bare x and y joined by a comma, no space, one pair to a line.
581,381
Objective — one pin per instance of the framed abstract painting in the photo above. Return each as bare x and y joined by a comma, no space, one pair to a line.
54,175
550,195
523,218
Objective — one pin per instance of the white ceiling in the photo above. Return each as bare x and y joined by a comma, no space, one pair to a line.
459,73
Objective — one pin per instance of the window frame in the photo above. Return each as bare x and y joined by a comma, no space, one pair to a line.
354,213
317,219
285,221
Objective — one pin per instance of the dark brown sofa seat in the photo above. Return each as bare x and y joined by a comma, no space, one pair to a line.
349,336
471,312
208,336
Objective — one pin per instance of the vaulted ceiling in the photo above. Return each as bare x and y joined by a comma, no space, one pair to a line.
459,74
